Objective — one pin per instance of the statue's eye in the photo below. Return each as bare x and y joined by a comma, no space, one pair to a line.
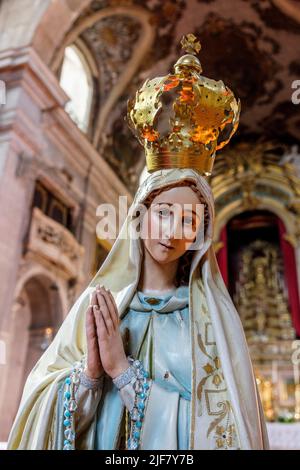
164,212
188,220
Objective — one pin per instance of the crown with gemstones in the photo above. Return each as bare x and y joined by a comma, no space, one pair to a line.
182,119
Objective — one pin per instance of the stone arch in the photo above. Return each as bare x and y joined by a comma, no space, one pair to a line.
274,207
57,30
243,184
144,42
55,23
259,185
37,272
289,7
36,315
45,311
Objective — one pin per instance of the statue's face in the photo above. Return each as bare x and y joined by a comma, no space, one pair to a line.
171,223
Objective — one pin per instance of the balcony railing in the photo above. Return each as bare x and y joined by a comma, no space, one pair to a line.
56,244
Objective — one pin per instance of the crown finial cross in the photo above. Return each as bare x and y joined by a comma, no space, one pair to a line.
190,44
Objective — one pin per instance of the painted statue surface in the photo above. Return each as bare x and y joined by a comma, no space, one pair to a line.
153,355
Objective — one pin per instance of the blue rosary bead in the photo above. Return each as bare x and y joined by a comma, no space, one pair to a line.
69,435
70,386
68,447
141,389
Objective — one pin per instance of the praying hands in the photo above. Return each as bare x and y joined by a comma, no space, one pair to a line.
105,350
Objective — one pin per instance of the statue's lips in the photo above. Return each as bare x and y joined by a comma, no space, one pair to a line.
169,247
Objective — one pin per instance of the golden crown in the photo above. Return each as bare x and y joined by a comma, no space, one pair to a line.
182,119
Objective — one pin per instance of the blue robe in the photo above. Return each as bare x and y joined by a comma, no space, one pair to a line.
158,327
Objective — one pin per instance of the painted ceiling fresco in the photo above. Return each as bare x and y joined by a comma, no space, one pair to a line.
252,45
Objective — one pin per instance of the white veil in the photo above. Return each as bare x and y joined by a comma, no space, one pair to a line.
217,338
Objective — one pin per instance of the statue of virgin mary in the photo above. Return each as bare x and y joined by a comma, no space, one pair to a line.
173,369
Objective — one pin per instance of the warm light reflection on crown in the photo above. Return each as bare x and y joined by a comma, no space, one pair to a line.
182,119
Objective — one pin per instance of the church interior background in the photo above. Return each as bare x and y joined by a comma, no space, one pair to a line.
69,67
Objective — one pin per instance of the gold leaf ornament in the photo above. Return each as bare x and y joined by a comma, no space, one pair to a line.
190,44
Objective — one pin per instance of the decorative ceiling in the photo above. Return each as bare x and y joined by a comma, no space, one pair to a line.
252,45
